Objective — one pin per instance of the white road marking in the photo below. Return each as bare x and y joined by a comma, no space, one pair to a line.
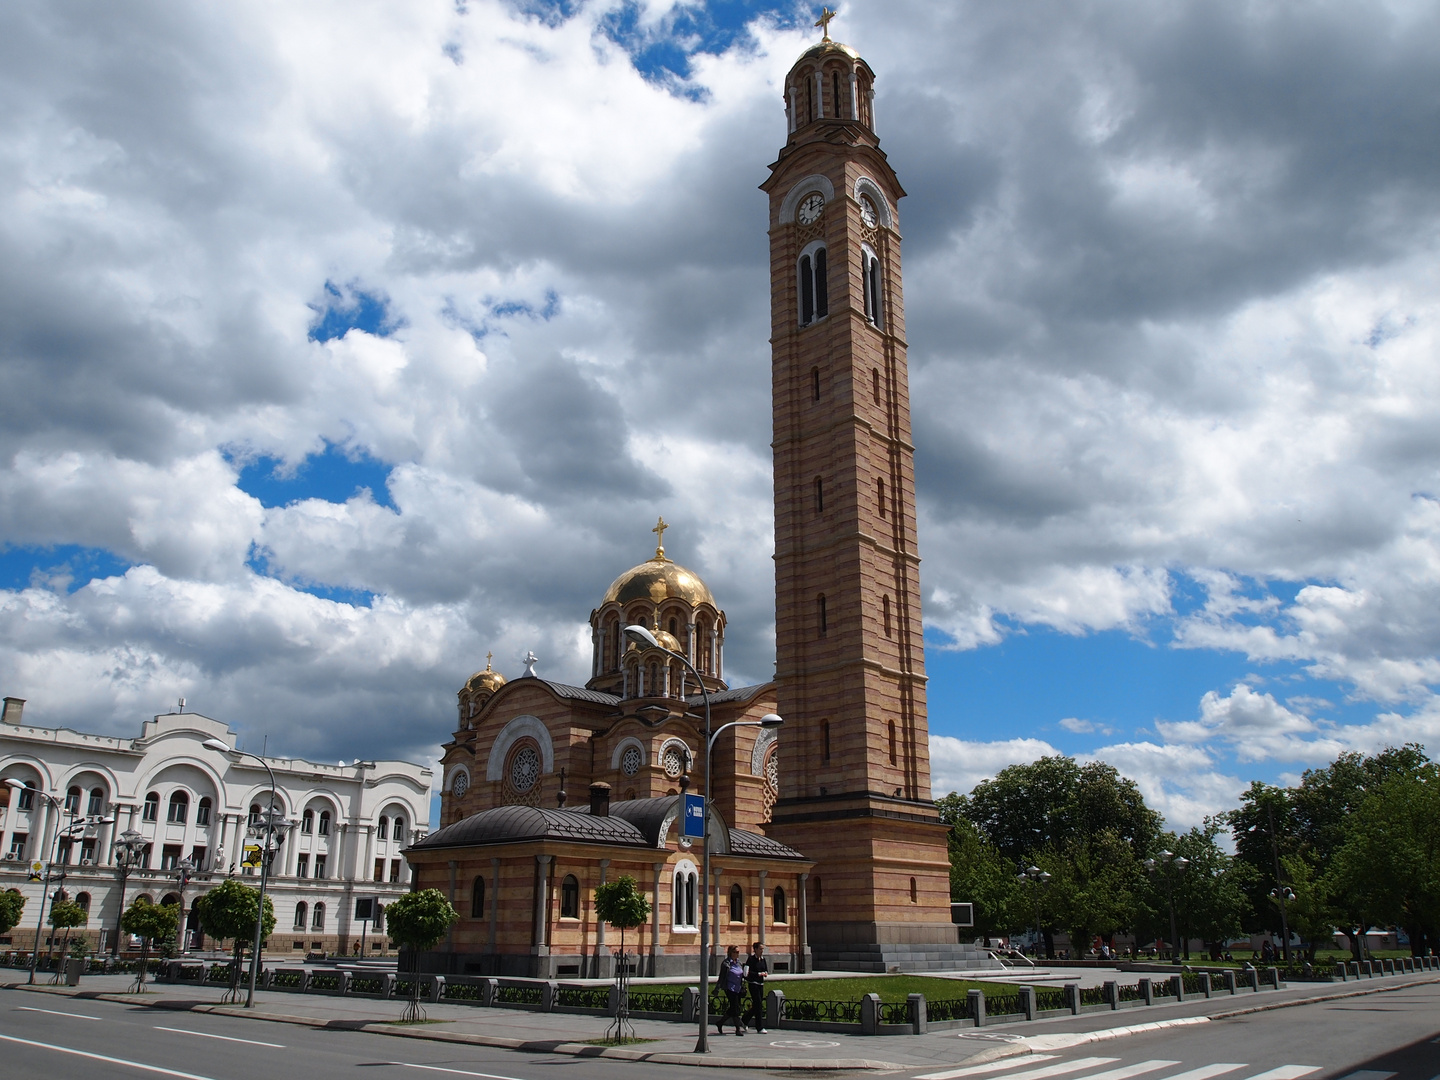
227,1038
1060,1069
111,1060
1205,1072
457,1072
53,1012
990,1067
1127,1071
1287,1072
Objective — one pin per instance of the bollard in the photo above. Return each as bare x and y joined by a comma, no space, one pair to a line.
1072,998
1205,983
774,1008
915,1006
1230,986
1177,987
690,1005
1112,995
1146,992
1272,976
346,977
548,994
1388,966
437,987
870,1014
1343,970
1027,1001
488,989
1367,969
1253,978
305,981
977,1006
389,985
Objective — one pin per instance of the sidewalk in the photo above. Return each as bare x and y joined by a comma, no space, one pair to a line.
674,1043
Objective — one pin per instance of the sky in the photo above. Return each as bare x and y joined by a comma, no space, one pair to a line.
342,344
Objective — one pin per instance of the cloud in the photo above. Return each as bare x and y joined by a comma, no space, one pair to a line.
959,764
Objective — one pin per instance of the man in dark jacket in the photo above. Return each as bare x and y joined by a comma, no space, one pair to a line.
756,972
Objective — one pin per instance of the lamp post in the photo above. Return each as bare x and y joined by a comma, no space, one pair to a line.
644,638
1036,877
129,851
1166,866
59,808
272,820
1282,896
182,877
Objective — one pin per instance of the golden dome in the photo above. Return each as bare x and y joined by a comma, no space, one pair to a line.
828,46
658,580
487,680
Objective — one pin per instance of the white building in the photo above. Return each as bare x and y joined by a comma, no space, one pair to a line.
189,801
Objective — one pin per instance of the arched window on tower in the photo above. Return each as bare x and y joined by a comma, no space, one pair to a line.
821,614
835,93
685,881
825,740
815,383
819,495
870,285
814,286
885,614
880,496
893,759
875,384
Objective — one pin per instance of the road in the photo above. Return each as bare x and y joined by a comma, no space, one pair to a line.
1392,1036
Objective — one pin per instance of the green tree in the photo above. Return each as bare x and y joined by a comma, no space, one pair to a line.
1389,864
418,921
1312,915
980,875
1211,898
149,922
66,915
621,904
12,908
227,912
1086,825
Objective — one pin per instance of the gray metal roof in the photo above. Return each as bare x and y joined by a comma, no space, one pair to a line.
579,693
749,843
510,824
737,693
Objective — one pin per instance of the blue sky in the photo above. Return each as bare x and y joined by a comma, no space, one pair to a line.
326,378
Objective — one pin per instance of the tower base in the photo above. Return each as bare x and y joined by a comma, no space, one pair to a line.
884,947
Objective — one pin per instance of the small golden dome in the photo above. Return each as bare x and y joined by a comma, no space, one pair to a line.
487,681
825,47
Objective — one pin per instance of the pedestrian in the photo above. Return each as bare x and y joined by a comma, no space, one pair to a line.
732,982
756,972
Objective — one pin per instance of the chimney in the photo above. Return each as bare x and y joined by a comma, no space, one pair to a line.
14,706
600,799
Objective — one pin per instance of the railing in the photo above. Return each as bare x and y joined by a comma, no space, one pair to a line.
520,995
655,1001
1049,997
1191,982
894,1012
452,991
370,984
821,1011
1093,995
285,979
1161,988
325,980
1003,1005
1129,993
586,997
950,1009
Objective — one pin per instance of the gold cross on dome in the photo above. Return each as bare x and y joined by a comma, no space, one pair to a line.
826,14
659,531
488,657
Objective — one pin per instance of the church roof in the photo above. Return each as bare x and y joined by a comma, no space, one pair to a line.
658,580
579,693
737,693
633,823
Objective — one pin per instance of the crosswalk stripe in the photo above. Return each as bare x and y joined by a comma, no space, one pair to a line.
990,1067
1286,1072
1125,1072
1078,1065
1205,1072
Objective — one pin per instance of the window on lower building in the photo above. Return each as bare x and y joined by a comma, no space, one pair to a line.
570,897
169,856
198,857
319,866
317,921
302,866
324,822
477,899
64,850
394,869
72,801
96,806
151,809
737,904
777,905
82,901
379,869
179,810
87,852
27,797
301,909
202,812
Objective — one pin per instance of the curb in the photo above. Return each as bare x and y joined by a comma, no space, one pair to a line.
584,1050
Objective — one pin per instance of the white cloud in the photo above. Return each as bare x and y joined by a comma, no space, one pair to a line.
958,764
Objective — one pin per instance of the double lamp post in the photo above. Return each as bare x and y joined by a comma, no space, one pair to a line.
645,639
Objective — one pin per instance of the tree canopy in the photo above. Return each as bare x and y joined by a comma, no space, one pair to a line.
228,911
418,920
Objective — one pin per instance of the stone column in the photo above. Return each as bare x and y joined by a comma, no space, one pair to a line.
819,95
594,651
803,911
367,867
764,905
450,930
872,109
792,111
542,905
854,98
217,853
599,922
713,666
690,640
655,949
40,815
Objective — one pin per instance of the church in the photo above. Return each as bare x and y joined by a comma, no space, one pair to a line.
825,841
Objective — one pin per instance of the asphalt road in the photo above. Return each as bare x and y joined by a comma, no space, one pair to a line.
1391,1036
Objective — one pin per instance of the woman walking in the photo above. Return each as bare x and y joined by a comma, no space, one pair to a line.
732,981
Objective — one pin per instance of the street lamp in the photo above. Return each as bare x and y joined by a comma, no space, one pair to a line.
182,872
1282,896
273,821
1275,854
66,830
1036,877
1167,866
645,639
129,853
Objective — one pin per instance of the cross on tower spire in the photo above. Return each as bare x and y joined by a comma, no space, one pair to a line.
826,14
659,531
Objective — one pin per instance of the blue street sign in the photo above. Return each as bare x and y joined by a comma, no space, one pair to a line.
694,816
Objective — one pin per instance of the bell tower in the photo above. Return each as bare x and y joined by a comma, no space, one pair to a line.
850,664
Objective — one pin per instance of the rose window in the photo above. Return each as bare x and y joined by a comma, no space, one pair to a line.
524,769
460,784
631,760
674,761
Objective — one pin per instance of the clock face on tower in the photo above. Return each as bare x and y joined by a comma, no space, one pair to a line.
867,212
810,208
